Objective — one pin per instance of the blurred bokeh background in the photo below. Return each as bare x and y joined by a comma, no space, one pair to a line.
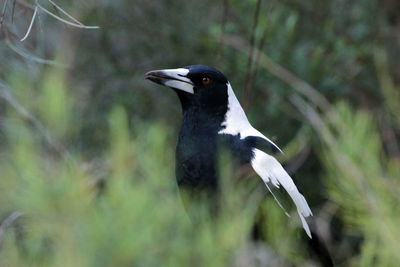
87,145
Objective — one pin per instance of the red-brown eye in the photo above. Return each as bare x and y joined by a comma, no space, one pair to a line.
205,80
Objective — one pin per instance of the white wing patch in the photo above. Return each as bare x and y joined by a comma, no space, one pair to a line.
270,170
236,121
266,166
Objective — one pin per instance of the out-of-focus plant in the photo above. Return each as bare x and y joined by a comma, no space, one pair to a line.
362,176
122,208
66,142
365,184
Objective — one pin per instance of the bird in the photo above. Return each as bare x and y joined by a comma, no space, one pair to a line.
212,117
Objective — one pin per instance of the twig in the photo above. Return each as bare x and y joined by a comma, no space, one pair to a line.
30,25
25,4
6,95
223,26
248,76
36,6
7,222
65,13
314,118
263,39
32,57
3,12
55,9
4,8
25,54
65,21
298,160
389,138
12,11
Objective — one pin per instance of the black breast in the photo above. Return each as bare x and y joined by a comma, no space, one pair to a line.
198,153
197,158
196,161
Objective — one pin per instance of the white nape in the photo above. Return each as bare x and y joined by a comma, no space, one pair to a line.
236,121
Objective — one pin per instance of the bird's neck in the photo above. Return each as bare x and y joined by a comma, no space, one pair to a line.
235,120
196,121
202,116
215,118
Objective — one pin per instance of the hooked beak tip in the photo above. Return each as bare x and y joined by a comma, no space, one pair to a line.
149,73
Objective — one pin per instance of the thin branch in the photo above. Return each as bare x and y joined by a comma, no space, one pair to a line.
223,27
248,76
24,54
12,11
3,12
36,13
21,110
7,222
65,13
30,25
315,119
263,39
4,8
298,160
389,138
65,21
8,97
25,4
32,57
55,9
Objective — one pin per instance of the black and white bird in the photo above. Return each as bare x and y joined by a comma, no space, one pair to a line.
212,115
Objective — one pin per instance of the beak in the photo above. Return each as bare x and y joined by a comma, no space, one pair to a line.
173,78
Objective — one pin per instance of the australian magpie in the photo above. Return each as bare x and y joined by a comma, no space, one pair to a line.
212,115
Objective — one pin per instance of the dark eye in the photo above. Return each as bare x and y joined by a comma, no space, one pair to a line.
205,80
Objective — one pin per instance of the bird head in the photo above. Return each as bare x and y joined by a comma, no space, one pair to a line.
197,86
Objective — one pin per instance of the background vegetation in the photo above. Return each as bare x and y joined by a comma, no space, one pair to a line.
86,145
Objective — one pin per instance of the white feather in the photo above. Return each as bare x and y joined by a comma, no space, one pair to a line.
266,166
236,121
270,170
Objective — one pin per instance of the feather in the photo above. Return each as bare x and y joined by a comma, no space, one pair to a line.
270,170
266,166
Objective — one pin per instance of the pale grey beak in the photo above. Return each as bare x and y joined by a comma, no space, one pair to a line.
173,78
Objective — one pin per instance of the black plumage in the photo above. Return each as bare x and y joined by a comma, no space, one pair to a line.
213,120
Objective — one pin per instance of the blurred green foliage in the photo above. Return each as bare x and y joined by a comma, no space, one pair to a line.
137,219
87,146
365,185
